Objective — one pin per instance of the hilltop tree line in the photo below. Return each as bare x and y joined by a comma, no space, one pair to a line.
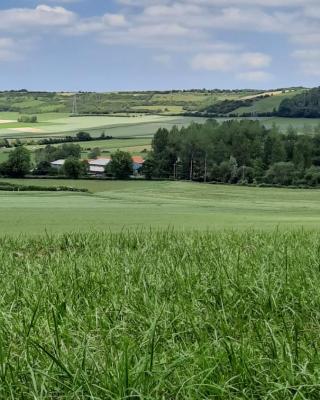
235,152
304,105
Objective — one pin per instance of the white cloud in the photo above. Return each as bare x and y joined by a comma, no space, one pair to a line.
21,19
255,76
9,50
114,20
194,27
230,61
309,61
223,3
163,59
63,1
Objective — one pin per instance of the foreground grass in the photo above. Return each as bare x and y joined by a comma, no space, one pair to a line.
160,315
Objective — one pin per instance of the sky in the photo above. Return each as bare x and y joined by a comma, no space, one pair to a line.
114,45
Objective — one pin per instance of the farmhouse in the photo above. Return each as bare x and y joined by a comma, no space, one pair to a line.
137,163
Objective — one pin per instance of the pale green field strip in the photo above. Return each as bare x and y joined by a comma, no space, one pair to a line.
142,205
267,104
114,126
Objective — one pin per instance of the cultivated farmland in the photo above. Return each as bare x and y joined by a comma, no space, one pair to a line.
134,205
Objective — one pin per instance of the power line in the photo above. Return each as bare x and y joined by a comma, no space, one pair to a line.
75,105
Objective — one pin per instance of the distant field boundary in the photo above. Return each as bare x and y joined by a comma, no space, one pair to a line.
12,187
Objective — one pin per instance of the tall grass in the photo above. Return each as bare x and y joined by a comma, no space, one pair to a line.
160,315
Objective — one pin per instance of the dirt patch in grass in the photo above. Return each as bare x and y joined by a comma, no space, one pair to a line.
7,121
27,129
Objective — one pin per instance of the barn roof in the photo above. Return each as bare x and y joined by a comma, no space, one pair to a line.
58,162
100,162
137,160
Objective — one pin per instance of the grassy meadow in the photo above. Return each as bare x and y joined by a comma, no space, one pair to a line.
114,206
268,104
154,289
160,315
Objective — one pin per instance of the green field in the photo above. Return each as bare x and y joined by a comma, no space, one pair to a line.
142,205
51,125
135,145
267,104
160,315
302,125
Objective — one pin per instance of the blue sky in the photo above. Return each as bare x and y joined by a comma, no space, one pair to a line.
106,45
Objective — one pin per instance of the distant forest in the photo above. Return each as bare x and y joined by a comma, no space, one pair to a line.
302,105
236,152
305,105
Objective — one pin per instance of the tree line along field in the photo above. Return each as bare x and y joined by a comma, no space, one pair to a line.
160,315
115,206
116,102
175,102
137,131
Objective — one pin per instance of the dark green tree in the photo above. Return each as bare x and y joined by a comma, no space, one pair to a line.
84,136
95,153
281,173
19,163
74,168
148,168
121,165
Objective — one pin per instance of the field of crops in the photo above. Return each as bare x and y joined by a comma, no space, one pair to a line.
114,206
160,315
52,125
268,104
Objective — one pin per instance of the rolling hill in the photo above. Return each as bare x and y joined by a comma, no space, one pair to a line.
176,102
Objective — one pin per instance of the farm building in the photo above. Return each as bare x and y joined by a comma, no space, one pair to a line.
97,167
99,162
57,164
137,163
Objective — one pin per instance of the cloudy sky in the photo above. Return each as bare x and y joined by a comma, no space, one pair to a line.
158,44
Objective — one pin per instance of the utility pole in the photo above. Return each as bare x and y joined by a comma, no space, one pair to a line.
191,168
75,105
205,167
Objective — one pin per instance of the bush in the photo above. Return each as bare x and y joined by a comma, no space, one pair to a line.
31,119
12,187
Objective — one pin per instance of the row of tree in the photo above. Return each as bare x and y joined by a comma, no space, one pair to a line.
235,152
304,105
19,163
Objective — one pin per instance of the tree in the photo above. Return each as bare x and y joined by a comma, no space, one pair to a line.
52,153
281,173
121,165
312,176
74,168
95,153
84,136
44,168
148,168
18,164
